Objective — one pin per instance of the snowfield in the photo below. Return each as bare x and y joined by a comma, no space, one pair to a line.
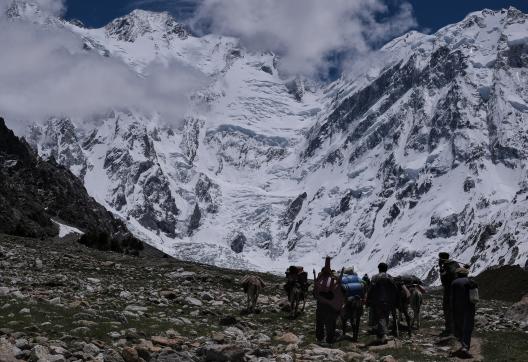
424,152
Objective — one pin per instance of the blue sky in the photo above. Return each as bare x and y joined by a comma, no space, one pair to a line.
430,14
433,14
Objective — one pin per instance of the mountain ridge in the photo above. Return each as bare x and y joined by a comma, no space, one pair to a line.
409,158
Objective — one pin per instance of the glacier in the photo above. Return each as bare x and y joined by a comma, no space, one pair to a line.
423,152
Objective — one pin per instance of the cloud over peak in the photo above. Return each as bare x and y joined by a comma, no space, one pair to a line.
47,73
305,33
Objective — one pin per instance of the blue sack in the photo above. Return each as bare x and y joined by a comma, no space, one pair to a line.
347,279
353,286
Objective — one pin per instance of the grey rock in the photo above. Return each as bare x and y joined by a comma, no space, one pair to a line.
91,349
130,354
22,343
238,243
193,301
224,352
39,354
112,356
182,275
169,355
7,352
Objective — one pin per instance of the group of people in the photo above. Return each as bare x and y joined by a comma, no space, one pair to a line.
344,296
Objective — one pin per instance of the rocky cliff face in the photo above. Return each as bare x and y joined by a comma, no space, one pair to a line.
34,193
433,146
424,152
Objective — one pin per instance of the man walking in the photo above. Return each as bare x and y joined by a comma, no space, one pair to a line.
463,308
330,298
447,276
381,297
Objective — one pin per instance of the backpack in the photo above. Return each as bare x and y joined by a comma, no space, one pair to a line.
353,286
473,293
296,274
383,289
327,290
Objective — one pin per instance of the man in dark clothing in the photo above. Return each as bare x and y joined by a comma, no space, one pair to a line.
325,320
382,297
330,299
447,276
463,309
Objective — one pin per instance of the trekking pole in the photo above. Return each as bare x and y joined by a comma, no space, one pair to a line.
313,291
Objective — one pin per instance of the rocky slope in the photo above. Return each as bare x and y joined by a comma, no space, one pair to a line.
425,151
62,302
36,195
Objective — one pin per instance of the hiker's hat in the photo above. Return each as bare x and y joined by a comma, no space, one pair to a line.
349,271
443,255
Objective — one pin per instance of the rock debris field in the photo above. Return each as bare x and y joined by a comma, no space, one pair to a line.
60,301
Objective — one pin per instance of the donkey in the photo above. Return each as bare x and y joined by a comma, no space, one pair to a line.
352,311
416,304
401,305
252,285
296,294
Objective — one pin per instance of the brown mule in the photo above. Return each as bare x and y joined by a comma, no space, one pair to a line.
252,285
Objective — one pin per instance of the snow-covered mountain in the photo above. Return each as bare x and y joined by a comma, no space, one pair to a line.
424,152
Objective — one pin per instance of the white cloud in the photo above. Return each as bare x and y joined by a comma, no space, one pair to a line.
305,32
51,7
45,72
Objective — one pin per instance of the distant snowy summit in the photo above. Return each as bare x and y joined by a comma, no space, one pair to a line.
140,23
424,151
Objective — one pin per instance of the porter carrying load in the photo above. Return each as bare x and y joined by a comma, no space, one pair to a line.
327,287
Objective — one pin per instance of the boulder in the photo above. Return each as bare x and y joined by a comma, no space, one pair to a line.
193,301
168,294
167,342
228,321
284,305
113,356
519,312
288,338
238,243
39,354
388,358
7,352
130,354
91,349
221,353
169,355
182,275
218,337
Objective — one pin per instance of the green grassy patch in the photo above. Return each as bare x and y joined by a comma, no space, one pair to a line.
505,346
411,353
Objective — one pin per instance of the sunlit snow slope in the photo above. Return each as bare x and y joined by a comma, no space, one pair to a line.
424,152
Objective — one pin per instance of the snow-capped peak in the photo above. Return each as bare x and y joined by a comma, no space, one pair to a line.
29,11
424,152
140,23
